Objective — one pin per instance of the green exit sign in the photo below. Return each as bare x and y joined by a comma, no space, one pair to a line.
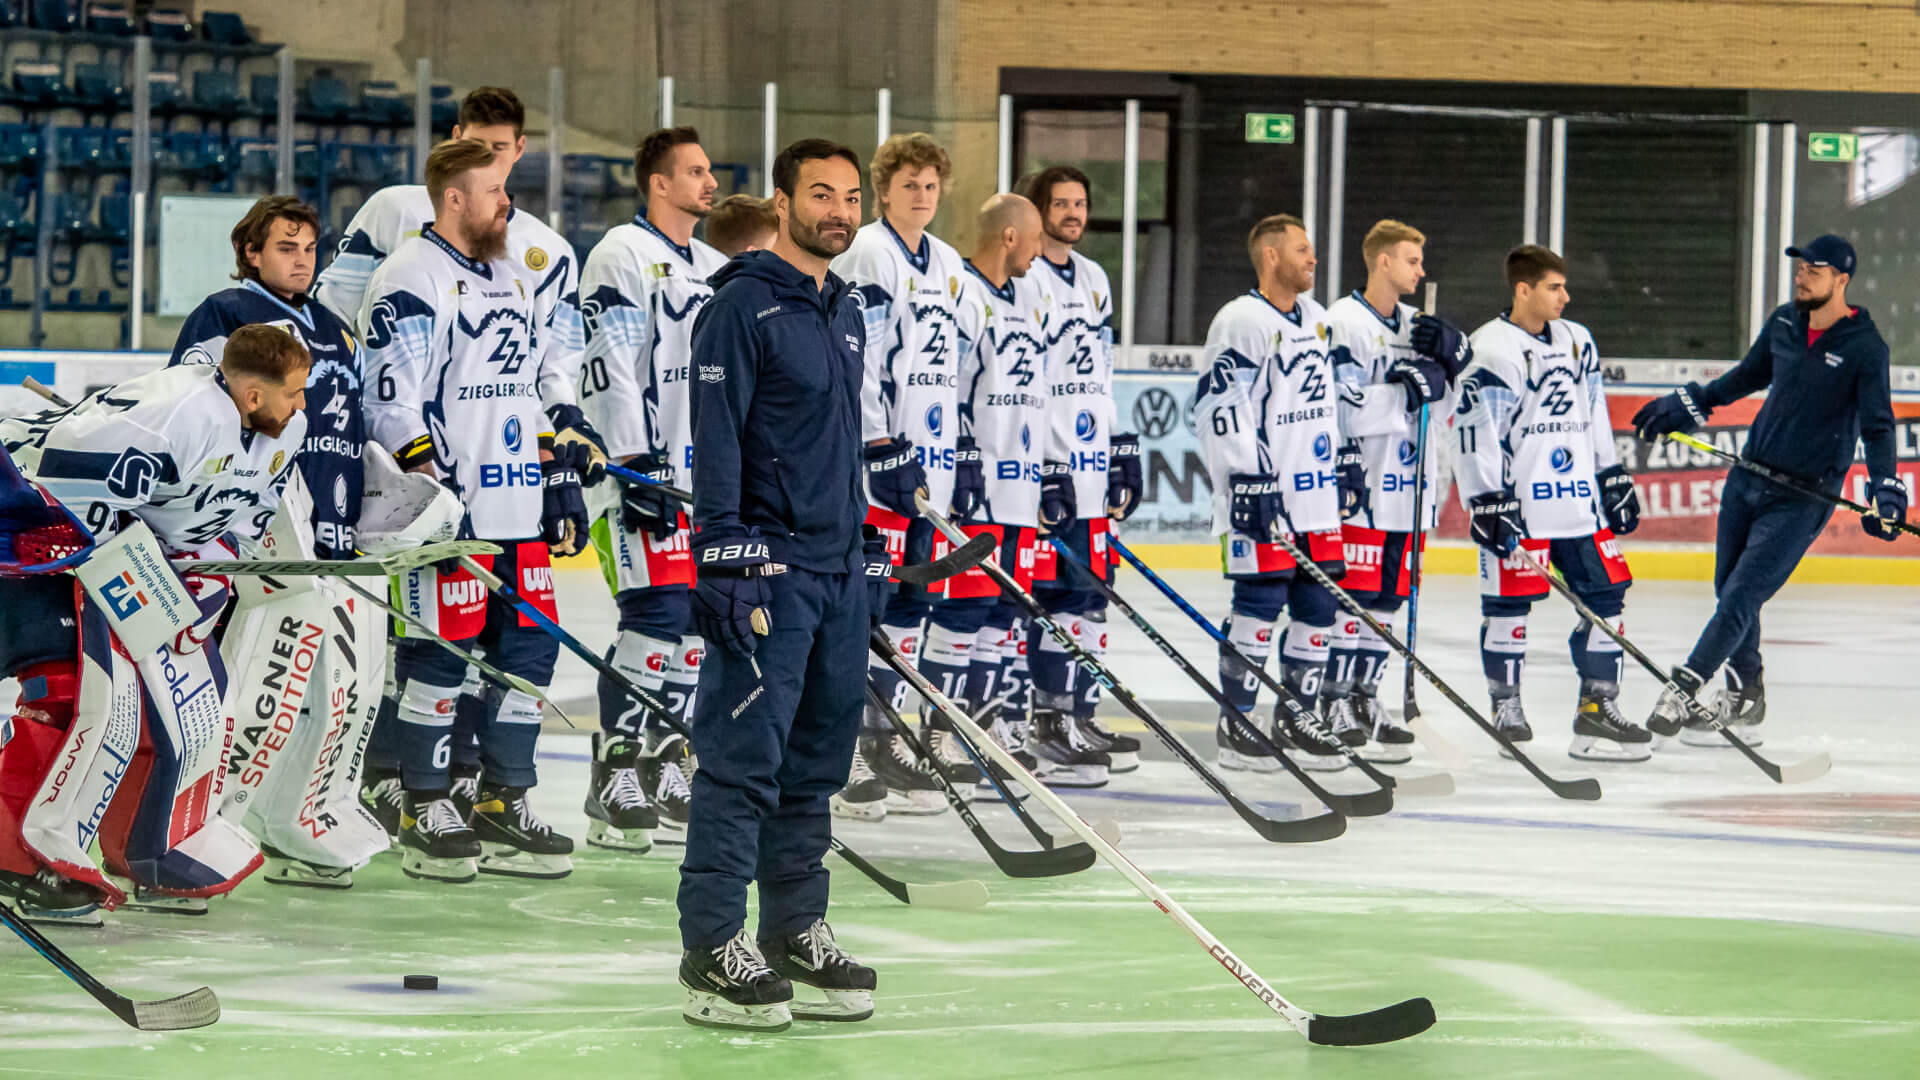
1829,146
1270,127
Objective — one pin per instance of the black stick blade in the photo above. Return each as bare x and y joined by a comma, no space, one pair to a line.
1050,862
959,561
1391,1024
1363,804
1293,831
195,1009
1585,789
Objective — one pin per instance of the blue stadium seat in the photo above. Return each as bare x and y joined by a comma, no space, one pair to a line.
56,14
169,24
116,218
112,19
381,104
224,28
100,85
13,13
265,94
39,81
16,219
443,109
256,159
72,213
163,90
325,97
19,146
217,91
180,151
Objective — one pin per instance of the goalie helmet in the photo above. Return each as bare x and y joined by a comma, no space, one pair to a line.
401,511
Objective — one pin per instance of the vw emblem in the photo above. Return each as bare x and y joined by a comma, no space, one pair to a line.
1154,412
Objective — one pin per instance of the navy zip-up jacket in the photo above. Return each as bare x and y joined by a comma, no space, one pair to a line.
1824,397
775,402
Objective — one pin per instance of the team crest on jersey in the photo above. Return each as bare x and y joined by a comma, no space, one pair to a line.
953,287
1320,331
510,435
1562,460
279,459
659,270
934,419
459,288
219,465
536,259
1407,454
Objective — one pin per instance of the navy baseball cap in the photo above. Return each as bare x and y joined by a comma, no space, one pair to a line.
1828,250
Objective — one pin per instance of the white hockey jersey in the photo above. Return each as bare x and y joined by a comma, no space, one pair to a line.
1265,405
913,348
1533,418
1374,412
450,347
1080,374
166,446
539,254
639,293
1003,390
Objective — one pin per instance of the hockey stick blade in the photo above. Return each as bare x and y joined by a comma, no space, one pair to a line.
1391,1024
1426,786
956,562
195,1009
1800,772
951,895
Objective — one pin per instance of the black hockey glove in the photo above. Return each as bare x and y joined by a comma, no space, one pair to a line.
1255,505
1351,469
730,598
969,483
1618,501
648,509
1424,380
1125,482
577,445
879,571
1442,342
1057,503
1496,523
894,475
1681,411
563,509
1889,506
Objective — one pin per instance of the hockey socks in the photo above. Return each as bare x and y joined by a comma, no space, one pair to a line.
644,660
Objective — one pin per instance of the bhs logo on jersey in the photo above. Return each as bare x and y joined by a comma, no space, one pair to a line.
122,598
1407,455
1323,447
1085,427
1562,460
524,474
934,418
510,435
1563,489
1026,437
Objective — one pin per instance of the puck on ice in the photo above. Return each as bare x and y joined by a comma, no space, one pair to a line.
420,982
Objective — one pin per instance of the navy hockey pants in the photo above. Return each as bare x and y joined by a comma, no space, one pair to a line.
1764,529
773,749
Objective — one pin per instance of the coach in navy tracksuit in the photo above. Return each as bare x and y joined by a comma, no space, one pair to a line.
777,365
1826,365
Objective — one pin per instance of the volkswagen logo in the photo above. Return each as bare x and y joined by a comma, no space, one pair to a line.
1154,413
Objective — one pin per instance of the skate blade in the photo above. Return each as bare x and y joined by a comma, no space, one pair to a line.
448,871
1710,739
1594,748
167,905
915,803
305,875
713,1011
1523,744
858,811
841,1007
1235,761
509,861
1318,762
1077,776
1376,754
87,918
1123,761
602,835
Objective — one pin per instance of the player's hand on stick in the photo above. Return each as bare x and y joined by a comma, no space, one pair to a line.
894,475
731,597
1424,380
1618,501
1351,468
1125,482
1057,502
1889,506
576,444
1255,504
563,508
1496,523
648,509
1681,411
1442,342
879,573
969,483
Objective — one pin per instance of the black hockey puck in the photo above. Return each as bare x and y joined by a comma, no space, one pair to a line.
420,982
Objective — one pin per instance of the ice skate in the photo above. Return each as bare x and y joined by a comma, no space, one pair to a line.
1510,717
1313,745
1740,707
948,750
865,796
665,769
1238,751
516,843
1671,712
284,869
47,899
619,817
1601,732
436,845
1123,751
380,793
1390,742
732,987
812,958
1076,764
911,789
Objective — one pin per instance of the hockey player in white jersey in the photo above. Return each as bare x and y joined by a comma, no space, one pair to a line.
1267,416
119,729
643,283
1392,360
1537,467
908,282
1090,476
451,338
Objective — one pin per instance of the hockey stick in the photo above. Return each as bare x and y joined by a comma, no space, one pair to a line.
1303,830
1811,769
1788,482
1404,1020
951,895
194,1009
1362,804
1434,784
1585,788
1015,864
1409,704
957,561
388,566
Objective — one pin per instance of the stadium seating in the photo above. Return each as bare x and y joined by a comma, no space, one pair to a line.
169,24
100,86
325,98
111,19
224,28
38,82
62,15
218,91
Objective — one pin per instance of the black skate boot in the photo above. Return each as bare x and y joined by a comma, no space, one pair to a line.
865,796
284,869
811,958
1601,732
1123,751
1741,707
1076,764
664,773
515,843
1238,751
1314,747
946,748
1509,717
619,817
380,793
464,789
1337,710
1672,712
1013,739
48,899
436,845
911,789
1391,742
732,987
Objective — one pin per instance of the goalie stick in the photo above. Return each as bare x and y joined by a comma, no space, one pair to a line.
1360,804
387,566
1432,784
1052,862
1585,789
196,1008
1798,773
1401,1021
1277,830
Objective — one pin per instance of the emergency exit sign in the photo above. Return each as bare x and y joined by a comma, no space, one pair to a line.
1270,127
1822,146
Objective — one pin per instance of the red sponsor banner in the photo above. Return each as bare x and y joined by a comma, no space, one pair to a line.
1680,486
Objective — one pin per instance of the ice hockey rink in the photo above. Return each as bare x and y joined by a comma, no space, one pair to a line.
1699,920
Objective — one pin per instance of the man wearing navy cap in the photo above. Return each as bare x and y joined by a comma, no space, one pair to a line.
1826,366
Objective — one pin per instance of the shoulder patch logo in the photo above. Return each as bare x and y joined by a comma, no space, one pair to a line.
536,259
1835,359
774,310
219,465
713,373
1096,300
953,287
1320,331
279,459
